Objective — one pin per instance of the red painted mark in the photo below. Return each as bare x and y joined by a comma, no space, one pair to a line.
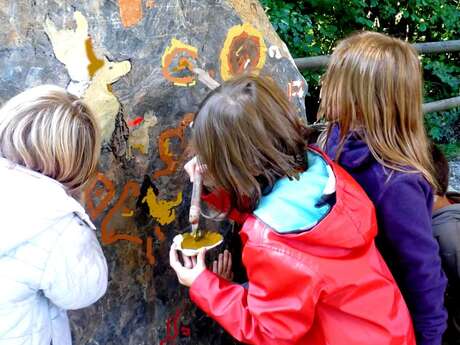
173,334
185,331
108,235
149,251
171,162
137,121
159,234
91,190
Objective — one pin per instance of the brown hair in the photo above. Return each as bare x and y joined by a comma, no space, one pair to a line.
373,84
441,169
248,135
48,130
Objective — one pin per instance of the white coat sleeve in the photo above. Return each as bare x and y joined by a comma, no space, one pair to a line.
76,271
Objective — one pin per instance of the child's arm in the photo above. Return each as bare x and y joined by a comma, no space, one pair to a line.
220,201
276,309
76,271
448,235
413,254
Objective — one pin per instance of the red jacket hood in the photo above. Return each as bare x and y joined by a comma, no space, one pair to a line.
350,223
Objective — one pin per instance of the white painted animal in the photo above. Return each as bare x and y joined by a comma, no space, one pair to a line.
73,48
70,48
100,99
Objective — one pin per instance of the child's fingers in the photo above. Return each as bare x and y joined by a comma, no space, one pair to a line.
214,267
193,261
226,260
229,264
187,261
190,168
220,264
200,258
174,259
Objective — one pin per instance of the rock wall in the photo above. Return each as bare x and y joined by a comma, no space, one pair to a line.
131,61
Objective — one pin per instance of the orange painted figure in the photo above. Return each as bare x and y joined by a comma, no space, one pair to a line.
130,12
92,190
166,156
130,191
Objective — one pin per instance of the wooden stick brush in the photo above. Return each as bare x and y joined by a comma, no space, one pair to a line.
195,208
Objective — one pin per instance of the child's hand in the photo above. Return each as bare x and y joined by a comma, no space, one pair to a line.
192,168
223,266
193,266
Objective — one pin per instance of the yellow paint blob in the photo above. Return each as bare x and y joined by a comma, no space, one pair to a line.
208,240
161,210
95,62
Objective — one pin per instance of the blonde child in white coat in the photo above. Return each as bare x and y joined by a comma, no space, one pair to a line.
50,258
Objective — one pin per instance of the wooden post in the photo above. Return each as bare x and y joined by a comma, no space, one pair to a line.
441,105
316,62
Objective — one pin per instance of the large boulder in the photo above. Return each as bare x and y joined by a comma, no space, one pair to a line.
131,60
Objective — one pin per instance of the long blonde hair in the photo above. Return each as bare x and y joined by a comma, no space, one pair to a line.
50,131
373,85
248,135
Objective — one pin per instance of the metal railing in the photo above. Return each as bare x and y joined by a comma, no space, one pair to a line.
316,62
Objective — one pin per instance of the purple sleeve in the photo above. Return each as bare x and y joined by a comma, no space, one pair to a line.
404,213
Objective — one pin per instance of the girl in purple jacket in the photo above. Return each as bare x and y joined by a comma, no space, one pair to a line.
372,97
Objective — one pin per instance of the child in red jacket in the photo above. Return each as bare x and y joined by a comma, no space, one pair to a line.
315,275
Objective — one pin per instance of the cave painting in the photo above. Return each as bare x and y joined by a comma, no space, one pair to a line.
175,329
178,62
130,12
125,204
139,138
170,159
71,48
103,190
163,211
100,99
244,51
274,52
296,88
90,76
252,12
97,196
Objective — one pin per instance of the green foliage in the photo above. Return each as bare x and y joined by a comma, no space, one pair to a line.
313,27
443,127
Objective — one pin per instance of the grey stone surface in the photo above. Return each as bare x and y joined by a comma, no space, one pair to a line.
144,303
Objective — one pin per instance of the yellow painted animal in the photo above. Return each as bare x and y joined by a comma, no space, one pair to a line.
161,210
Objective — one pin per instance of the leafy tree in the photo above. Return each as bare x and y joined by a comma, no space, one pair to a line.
313,27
